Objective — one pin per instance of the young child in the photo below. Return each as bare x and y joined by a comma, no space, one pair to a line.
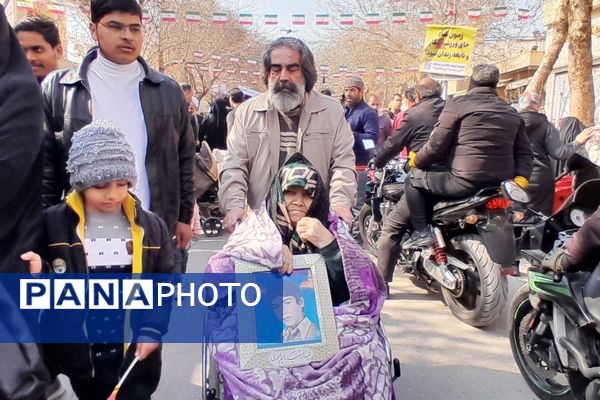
100,227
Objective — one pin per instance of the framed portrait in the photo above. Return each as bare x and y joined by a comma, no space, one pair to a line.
296,326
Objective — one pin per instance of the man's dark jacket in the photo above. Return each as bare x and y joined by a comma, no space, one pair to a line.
545,143
416,126
480,138
21,166
170,150
364,122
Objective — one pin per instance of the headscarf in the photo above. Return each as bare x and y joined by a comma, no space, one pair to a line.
569,128
530,101
297,171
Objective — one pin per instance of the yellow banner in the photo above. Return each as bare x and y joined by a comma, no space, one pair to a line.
447,50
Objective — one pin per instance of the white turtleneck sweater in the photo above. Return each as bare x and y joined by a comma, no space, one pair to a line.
115,91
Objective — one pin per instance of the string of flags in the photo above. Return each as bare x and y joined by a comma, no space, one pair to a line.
219,63
347,19
57,7
345,71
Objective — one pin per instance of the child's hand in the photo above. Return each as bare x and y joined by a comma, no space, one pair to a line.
143,350
34,260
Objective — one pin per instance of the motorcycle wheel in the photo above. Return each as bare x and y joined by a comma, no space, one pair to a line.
484,293
547,384
369,236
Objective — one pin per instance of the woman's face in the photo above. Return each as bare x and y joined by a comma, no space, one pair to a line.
297,203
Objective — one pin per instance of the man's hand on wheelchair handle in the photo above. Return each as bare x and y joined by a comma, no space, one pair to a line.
232,218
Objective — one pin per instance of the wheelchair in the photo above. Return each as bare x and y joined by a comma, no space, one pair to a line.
212,383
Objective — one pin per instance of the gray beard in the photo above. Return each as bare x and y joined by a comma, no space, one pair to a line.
284,101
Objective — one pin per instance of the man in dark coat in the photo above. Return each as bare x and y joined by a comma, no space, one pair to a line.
22,373
21,138
416,126
545,143
482,142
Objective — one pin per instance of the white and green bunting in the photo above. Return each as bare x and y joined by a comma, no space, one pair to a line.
474,14
271,19
25,5
399,18
219,18
425,16
193,17
56,9
523,13
373,19
322,19
346,19
245,19
168,16
298,19
500,12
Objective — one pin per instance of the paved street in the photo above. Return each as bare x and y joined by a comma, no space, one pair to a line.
442,358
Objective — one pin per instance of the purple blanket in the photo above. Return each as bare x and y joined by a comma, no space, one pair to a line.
358,371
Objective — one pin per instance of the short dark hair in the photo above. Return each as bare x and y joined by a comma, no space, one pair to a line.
42,25
326,92
236,95
99,8
486,75
307,60
397,94
186,87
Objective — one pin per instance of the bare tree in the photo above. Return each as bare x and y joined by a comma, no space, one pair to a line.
560,28
581,84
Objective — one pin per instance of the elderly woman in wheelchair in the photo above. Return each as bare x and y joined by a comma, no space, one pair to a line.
298,204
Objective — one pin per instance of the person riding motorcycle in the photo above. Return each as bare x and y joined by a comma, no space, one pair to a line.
482,141
546,144
583,251
417,124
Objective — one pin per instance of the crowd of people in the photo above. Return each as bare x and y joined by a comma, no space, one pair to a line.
102,156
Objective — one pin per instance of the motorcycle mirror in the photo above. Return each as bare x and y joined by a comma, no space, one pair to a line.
514,192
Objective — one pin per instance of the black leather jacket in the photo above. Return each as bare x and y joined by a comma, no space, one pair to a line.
170,151
417,124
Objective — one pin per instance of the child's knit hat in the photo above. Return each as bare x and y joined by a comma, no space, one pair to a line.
100,153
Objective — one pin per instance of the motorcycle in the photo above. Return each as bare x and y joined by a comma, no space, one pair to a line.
384,188
554,320
472,251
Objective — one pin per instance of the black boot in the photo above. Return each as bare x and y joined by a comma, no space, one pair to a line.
419,239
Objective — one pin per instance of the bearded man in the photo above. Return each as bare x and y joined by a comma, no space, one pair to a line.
289,118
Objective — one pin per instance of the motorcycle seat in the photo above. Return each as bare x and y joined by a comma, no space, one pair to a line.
448,203
471,199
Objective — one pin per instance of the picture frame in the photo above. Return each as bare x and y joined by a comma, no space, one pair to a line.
312,339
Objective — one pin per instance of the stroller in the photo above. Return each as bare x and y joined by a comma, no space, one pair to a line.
206,187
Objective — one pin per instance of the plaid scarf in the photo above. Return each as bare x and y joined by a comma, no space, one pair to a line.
297,171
